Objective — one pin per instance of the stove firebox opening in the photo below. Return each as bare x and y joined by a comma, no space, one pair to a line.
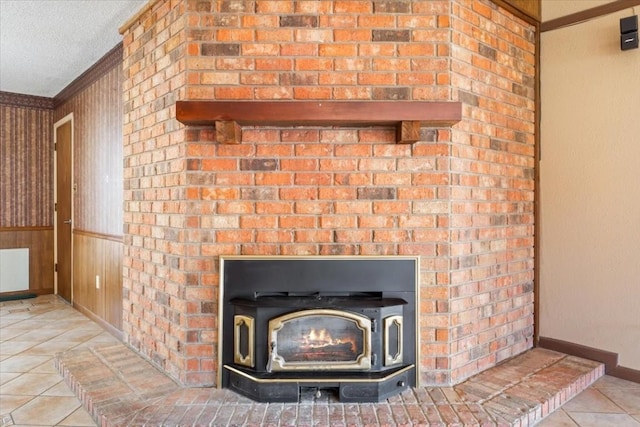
320,339
293,324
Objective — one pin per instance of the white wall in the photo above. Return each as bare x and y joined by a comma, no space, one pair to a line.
552,9
590,186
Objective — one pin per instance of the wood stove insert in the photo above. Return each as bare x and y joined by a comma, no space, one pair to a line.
342,323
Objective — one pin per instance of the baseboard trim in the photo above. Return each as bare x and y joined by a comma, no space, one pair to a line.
626,374
610,359
103,323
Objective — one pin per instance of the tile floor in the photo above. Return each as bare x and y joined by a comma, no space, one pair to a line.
608,402
32,393
32,331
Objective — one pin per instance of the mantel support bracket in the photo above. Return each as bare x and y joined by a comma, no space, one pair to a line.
408,132
228,132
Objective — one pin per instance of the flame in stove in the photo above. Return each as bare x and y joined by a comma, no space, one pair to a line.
319,338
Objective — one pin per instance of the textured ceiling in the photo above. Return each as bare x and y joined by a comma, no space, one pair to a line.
46,44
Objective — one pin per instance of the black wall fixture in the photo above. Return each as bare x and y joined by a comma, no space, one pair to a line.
629,33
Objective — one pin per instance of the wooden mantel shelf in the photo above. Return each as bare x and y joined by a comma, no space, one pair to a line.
407,116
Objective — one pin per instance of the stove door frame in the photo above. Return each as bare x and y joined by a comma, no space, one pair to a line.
362,362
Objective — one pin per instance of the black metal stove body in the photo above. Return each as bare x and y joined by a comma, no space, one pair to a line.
345,323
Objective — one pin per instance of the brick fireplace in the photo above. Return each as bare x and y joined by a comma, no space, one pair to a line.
460,198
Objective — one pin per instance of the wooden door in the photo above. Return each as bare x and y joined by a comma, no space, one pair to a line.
64,208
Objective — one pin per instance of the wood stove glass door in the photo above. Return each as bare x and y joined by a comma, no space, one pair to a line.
320,339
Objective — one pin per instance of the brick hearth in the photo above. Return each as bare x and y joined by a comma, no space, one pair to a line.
119,388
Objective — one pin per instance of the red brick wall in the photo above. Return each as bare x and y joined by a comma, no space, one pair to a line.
155,317
461,198
492,177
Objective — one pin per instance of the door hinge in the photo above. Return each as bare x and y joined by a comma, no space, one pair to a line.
55,146
55,207
55,267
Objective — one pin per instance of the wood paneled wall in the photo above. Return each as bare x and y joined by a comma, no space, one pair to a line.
39,240
26,183
95,99
26,162
98,154
98,262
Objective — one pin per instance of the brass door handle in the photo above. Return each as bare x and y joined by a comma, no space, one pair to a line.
67,221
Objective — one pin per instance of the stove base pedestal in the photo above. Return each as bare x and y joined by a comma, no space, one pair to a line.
352,387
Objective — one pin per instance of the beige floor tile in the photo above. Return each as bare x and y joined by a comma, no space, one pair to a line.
586,419
45,410
6,420
19,305
104,337
80,418
591,400
7,322
94,343
39,335
608,381
71,324
9,403
21,363
26,325
60,389
627,398
60,314
10,333
46,368
557,419
50,348
30,384
8,376
80,335
14,347
16,314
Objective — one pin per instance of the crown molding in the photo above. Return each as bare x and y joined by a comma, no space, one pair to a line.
26,101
